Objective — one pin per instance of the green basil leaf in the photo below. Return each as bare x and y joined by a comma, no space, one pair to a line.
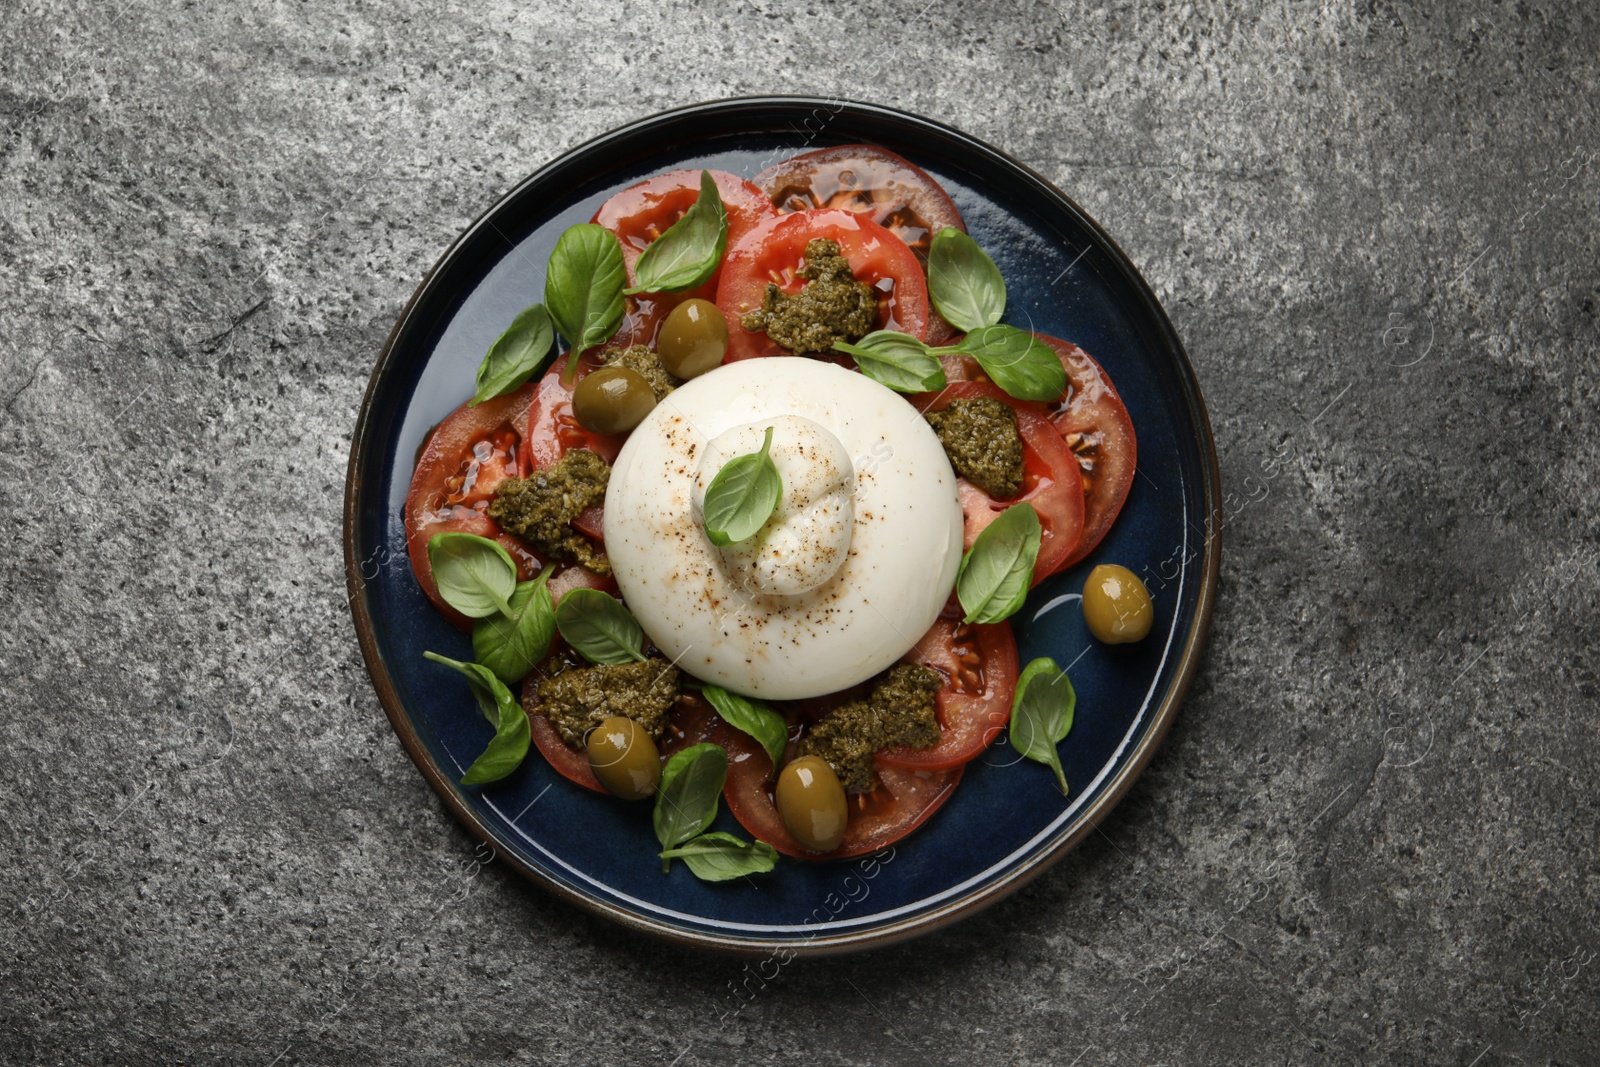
599,627
509,745
1041,714
686,799
743,495
751,716
720,857
583,287
994,576
1019,362
511,647
516,355
487,703
896,360
689,253
963,281
475,575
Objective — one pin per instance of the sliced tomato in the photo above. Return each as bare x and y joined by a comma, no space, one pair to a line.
572,576
552,431
903,801
1050,479
571,763
889,189
691,723
552,427
979,665
473,450
1094,422
643,212
644,314
774,251
476,448
961,368
591,521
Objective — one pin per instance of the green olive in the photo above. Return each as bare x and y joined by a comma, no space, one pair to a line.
693,339
1116,605
612,400
812,804
624,758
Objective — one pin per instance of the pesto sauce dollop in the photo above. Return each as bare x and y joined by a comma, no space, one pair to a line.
831,306
540,508
981,438
581,698
642,360
902,710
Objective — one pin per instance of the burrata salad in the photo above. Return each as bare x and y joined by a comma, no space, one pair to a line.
741,510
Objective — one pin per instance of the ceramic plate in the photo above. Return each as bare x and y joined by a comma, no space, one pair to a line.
1007,821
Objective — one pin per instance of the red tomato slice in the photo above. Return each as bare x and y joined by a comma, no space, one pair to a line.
552,431
552,427
476,448
1094,422
572,577
571,763
692,722
591,521
888,189
979,664
641,213
961,368
902,802
1050,479
644,314
473,450
774,251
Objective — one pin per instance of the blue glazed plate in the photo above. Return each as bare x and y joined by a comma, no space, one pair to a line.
1007,821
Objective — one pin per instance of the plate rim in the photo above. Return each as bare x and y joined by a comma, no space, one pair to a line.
900,929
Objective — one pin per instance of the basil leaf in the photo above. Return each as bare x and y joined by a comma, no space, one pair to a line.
689,253
752,717
896,360
1041,714
511,735
480,689
583,287
475,575
686,799
511,647
963,281
720,857
599,627
994,576
516,355
1019,362
743,495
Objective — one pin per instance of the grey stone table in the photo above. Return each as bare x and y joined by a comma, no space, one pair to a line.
1372,835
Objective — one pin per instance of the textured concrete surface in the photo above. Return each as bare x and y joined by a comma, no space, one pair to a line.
1371,837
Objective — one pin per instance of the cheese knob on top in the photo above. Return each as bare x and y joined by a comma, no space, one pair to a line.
808,537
